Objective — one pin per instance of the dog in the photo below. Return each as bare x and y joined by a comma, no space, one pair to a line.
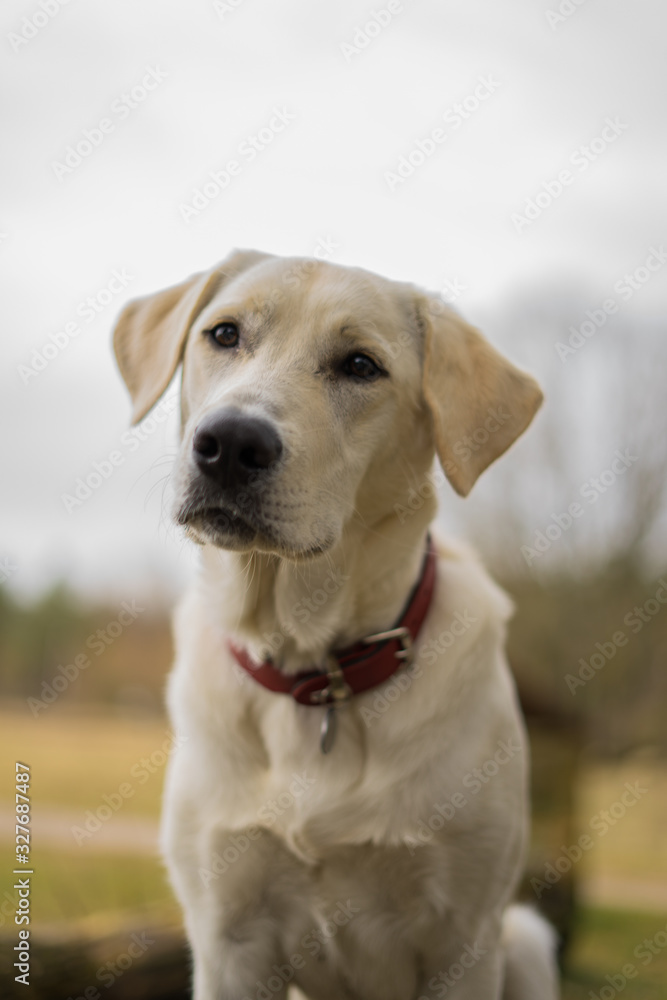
345,817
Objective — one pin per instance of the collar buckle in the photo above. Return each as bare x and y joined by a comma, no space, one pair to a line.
337,691
403,635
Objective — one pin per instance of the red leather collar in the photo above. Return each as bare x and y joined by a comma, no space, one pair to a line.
367,663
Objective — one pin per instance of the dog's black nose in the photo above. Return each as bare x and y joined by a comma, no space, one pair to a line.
229,447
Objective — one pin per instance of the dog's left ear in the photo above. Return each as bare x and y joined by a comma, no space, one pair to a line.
479,401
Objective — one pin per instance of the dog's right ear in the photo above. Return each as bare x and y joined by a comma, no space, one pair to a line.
149,338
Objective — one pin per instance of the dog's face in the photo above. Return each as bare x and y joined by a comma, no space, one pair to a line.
298,383
314,395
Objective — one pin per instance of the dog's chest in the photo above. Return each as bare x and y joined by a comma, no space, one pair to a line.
330,845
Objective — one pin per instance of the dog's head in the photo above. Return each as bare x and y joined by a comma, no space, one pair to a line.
312,395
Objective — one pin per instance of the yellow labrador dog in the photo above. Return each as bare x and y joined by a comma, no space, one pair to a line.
346,816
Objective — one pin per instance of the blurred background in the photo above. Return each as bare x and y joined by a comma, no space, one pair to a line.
510,156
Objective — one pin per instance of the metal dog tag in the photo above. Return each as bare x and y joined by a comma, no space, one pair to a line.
328,729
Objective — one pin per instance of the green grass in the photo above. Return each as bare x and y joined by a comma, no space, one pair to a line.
96,891
604,941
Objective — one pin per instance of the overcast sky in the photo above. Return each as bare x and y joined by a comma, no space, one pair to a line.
319,106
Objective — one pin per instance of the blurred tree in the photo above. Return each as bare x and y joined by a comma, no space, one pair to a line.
577,579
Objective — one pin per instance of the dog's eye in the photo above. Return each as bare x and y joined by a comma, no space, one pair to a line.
361,366
226,334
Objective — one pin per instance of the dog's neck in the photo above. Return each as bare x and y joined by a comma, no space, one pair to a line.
295,612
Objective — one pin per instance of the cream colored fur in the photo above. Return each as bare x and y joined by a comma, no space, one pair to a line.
349,876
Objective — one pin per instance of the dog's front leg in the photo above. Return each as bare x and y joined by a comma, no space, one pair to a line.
471,972
235,944
234,965
232,888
